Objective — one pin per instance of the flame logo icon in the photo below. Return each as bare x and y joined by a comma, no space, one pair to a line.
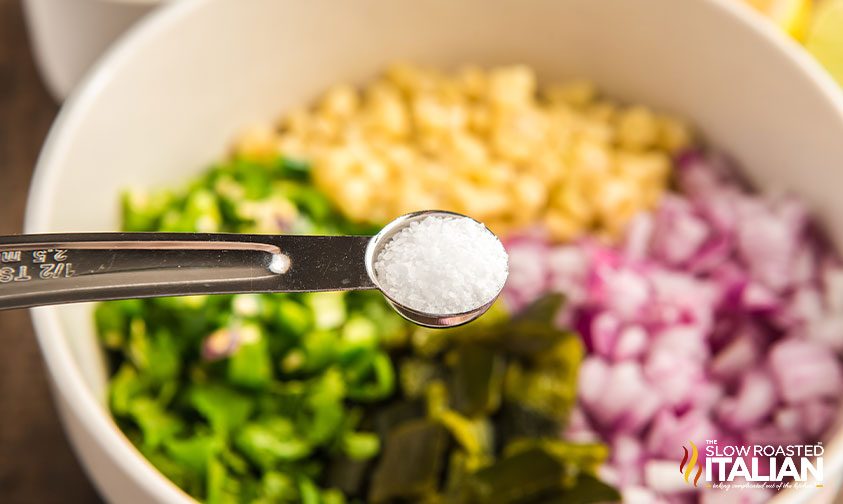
686,467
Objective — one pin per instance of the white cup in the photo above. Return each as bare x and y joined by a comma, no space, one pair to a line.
69,35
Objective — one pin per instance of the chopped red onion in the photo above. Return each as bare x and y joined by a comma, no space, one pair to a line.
579,429
594,373
788,419
738,355
679,233
661,476
627,457
754,401
632,343
742,496
221,344
805,370
816,416
624,388
640,495
720,316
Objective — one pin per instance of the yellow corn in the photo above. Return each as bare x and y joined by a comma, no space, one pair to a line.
488,143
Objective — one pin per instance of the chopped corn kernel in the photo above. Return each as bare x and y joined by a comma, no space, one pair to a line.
487,143
259,143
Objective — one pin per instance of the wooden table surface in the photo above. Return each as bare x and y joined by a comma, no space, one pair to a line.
36,463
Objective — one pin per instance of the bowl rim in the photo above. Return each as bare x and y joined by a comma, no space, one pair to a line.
66,378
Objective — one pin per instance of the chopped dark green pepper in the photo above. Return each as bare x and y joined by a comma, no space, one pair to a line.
327,398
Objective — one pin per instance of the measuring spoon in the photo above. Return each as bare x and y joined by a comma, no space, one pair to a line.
45,269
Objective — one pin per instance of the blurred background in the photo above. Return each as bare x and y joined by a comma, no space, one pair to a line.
45,48
36,463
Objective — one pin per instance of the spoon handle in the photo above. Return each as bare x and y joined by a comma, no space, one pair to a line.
67,268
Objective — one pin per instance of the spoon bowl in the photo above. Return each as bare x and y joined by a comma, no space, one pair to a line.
433,320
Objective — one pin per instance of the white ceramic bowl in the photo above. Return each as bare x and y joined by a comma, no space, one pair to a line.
168,98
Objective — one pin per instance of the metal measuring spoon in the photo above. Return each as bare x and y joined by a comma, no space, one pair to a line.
376,246
45,269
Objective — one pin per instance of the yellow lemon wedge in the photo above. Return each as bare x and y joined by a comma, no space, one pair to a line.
825,38
792,16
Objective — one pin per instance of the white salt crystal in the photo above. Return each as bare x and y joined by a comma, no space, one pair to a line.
442,266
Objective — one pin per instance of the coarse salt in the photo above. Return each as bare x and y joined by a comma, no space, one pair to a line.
442,266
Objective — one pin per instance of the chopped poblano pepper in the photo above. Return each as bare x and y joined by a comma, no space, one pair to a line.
328,398
411,464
